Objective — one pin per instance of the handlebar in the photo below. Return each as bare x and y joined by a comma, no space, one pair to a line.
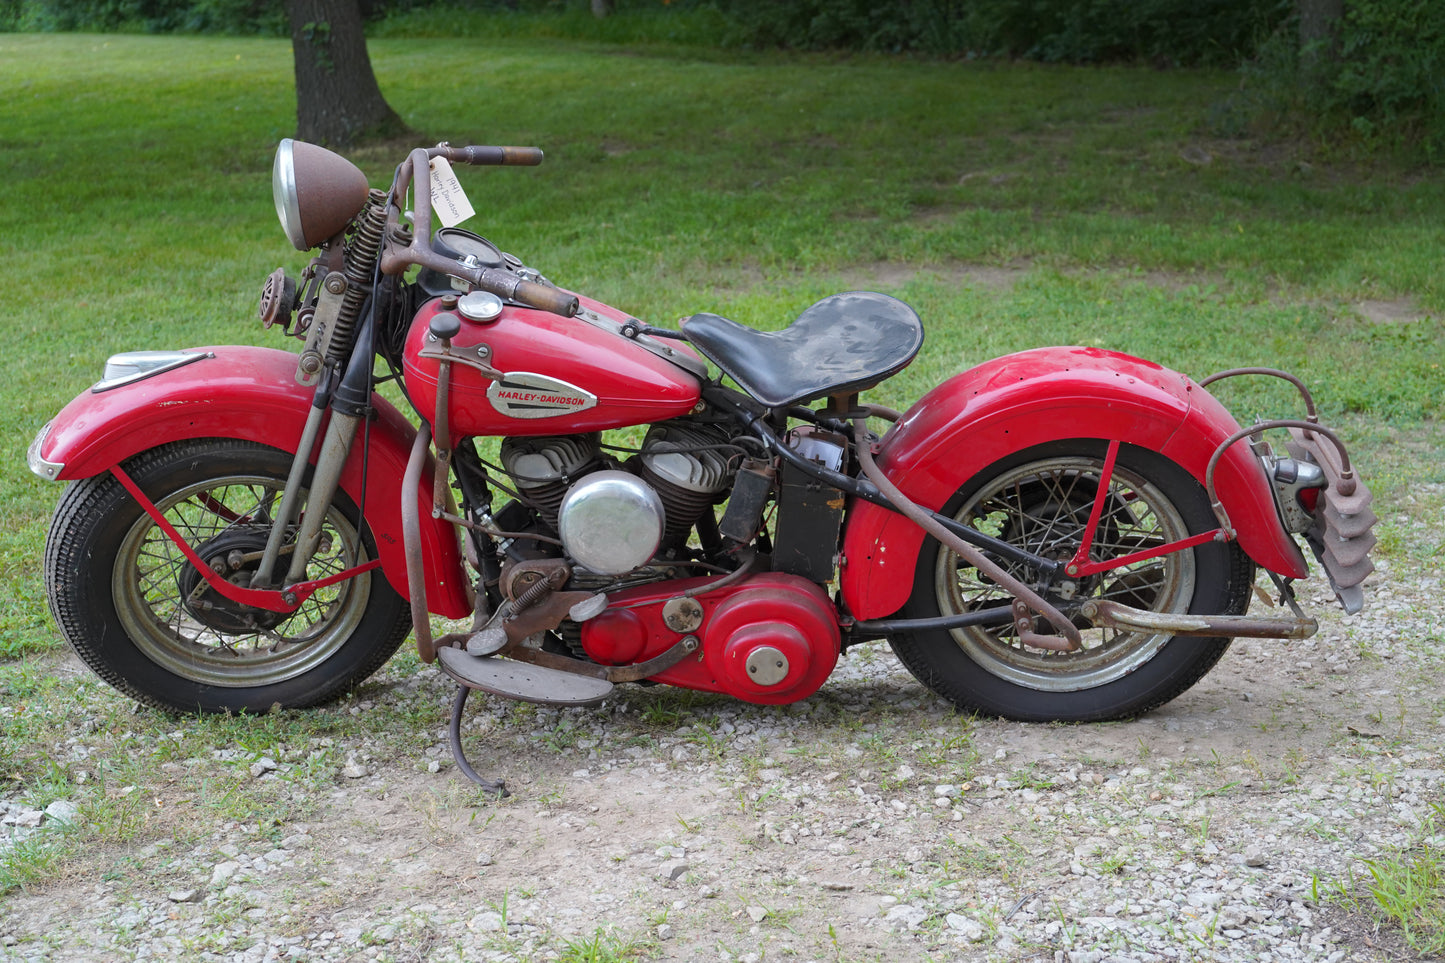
404,249
489,156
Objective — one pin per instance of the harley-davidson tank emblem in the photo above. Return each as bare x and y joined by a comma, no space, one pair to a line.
522,394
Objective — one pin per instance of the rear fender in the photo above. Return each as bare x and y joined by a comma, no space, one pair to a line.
251,394
1031,398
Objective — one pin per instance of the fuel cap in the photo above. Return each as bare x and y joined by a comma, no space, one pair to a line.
480,306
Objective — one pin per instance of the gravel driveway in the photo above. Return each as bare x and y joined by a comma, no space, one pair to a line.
867,823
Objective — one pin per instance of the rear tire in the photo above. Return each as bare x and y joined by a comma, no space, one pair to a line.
139,615
1040,499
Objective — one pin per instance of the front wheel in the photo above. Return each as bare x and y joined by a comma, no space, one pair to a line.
1040,500
139,614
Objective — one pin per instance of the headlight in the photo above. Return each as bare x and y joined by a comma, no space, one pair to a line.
316,192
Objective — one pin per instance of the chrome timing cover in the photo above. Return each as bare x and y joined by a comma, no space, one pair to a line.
611,522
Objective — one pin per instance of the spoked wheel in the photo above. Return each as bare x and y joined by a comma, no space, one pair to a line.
141,615
1041,500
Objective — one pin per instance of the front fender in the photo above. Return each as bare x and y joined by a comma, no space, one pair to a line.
251,394
1031,398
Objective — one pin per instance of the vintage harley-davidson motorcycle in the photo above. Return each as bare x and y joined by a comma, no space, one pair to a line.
1061,534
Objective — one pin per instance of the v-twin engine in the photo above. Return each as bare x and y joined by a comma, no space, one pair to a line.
613,518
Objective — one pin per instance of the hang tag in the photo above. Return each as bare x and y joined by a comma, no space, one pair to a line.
447,197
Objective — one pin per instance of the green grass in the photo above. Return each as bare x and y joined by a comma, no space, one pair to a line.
681,179
603,946
1408,891
1403,888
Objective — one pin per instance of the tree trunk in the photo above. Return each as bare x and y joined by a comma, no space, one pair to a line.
337,99
601,8
1318,23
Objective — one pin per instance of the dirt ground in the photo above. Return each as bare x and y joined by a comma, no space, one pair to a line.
870,822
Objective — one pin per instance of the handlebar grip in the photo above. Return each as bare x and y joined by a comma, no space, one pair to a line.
507,285
546,298
497,156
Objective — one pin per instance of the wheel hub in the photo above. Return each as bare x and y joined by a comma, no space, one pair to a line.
1054,529
233,555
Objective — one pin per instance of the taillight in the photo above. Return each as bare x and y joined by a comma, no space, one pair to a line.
1297,487
1309,498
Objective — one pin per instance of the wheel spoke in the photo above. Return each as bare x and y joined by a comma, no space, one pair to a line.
182,622
1044,508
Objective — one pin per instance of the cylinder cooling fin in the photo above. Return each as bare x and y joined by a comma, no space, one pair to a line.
606,516
689,465
543,468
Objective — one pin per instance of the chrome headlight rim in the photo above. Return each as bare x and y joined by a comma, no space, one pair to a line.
317,192
285,194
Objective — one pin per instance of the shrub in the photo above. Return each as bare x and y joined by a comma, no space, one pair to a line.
1165,32
147,16
1380,83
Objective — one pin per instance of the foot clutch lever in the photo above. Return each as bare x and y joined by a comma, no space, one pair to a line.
454,733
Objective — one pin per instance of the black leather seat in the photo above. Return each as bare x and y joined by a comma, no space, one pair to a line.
842,344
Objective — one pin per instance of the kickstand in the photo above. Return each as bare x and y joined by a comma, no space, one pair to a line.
455,731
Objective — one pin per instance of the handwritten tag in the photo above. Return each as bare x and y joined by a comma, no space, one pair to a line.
447,197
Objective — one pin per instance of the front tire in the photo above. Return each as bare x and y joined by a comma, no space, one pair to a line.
1040,499
138,613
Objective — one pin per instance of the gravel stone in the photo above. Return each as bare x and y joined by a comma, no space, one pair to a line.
967,928
62,811
223,873
910,916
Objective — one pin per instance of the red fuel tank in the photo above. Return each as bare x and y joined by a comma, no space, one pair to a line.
561,375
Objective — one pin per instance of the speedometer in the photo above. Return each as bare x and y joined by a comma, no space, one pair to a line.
460,244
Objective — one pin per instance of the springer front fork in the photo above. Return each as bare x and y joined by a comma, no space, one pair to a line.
348,403
335,449
334,344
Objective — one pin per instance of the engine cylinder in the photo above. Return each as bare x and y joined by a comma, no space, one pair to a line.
544,468
688,465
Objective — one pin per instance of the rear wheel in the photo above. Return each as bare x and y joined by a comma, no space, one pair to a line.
140,615
1041,500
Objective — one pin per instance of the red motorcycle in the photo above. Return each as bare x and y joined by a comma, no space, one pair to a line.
1061,534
